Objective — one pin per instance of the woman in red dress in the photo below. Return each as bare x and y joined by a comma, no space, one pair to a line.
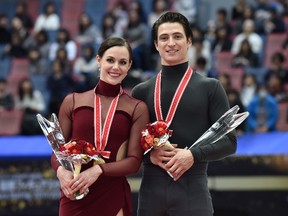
80,115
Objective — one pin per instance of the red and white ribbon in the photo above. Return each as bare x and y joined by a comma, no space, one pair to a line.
101,135
176,99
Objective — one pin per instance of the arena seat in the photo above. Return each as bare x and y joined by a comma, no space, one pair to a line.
10,122
282,124
274,42
5,65
223,60
19,71
95,9
70,13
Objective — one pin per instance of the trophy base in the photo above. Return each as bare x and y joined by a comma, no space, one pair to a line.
78,196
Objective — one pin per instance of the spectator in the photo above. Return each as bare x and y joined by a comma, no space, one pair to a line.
187,8
234,99
31,101
200,66
284,5
88,33
59,84
199,50
41,41
262,8
158,7
17,27
136,35
199,35
108,28
48,20
225,81
278,60
245,57
263,111
15,49
273,24
248,15
6,98
86,69
63,41
62,56
223,21
222,42
37,64
119,11
238,9
248,33
248,89
276,88
21,12
137,6
5,34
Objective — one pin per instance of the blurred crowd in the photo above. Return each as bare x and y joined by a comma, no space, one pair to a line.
60,62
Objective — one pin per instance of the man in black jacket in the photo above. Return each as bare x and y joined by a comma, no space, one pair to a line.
192,103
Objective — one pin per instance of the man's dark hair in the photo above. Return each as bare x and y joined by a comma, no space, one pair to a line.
172,17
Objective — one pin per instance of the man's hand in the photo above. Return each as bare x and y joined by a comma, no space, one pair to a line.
180,163
161,156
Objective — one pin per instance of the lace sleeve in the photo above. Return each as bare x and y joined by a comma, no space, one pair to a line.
132,162
65,119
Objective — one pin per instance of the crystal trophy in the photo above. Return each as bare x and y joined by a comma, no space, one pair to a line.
54,135
225,124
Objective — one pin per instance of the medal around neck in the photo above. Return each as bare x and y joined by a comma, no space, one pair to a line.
225,124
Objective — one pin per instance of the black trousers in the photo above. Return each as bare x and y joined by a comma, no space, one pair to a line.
160,195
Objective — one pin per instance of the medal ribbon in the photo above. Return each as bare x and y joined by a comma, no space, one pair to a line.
101,136
175,101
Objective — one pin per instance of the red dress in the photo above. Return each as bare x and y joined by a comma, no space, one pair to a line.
111,191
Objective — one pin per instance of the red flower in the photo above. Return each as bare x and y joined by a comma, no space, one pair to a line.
151,129
81,143
145,145
62,148
89,149
74,150
69,145
160,128
149,139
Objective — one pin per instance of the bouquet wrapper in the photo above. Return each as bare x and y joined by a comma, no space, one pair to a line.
225,124
55,138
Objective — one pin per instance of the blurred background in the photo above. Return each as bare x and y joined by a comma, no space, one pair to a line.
48,48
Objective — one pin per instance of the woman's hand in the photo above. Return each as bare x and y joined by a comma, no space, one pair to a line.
65,176
85,179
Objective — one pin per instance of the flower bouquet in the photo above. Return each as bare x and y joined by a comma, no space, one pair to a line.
156,135
70,155
79,152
